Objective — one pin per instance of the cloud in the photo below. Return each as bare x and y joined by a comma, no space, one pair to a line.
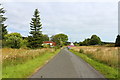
59,1
78,20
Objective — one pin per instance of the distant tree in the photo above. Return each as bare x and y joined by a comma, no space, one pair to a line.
35,40
81,43
95,40
117,42
13,40
60,39
67,43
76,43
45,37
55,38
3,30
86,42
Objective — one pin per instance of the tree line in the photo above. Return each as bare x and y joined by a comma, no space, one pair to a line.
95,40
36,38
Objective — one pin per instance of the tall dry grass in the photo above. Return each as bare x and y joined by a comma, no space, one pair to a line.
19,56
107,55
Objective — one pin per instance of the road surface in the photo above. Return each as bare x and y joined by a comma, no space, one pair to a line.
67,65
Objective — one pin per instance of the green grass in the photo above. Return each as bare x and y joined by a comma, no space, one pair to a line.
28,68
106,70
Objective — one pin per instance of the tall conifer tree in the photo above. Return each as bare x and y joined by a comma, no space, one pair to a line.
35,40
3,30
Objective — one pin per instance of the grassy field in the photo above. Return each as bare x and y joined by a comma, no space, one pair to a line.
21,63
104,59
106,55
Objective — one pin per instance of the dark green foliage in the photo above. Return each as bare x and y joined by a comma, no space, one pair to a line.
3,43
13,40
3,30
67,43
35,40
24,43
86,42
94,40
76,43
35,24
117,43
56,48
60,39
45,37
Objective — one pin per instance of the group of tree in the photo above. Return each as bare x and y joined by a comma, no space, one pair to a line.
94,40
36,38
15,40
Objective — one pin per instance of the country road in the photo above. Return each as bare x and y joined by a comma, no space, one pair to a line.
67,65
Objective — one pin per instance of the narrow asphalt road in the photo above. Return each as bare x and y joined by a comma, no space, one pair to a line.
67,65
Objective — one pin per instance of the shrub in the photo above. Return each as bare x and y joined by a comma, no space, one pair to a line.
24,44
81,51
56,47
13,40
46,45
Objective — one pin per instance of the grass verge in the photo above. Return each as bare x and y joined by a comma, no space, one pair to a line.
106,70
26,69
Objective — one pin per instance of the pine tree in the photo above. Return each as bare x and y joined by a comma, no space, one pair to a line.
117,43
35,40
3,30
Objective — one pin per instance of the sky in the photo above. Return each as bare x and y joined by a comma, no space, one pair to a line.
78,20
